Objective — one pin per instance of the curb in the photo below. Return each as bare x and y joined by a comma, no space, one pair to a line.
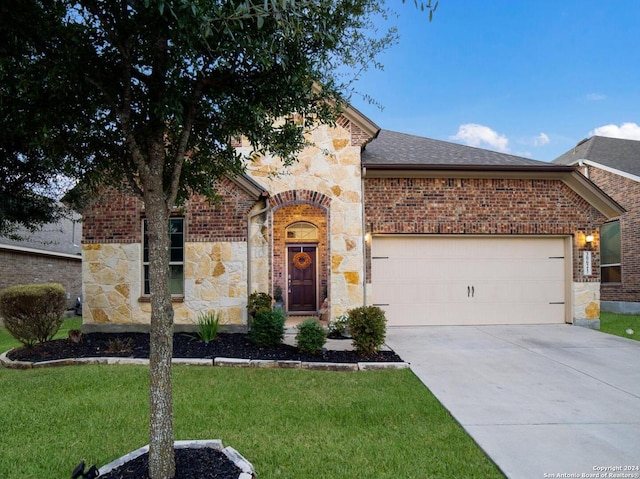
217,362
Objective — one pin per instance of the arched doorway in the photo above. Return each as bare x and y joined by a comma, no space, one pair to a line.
300,256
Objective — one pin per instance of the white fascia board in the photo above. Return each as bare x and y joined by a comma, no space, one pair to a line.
624,174
40,252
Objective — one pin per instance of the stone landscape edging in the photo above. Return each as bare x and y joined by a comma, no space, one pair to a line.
217,362
246,468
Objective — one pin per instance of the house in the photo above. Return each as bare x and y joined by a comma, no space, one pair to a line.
614,165
433,232
50,255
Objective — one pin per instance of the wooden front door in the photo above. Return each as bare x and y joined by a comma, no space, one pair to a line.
302,278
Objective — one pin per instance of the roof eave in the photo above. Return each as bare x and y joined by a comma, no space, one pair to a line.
439,169
255,189
360,120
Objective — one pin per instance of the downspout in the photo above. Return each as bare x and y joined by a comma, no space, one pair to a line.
249,219
586,168
364,238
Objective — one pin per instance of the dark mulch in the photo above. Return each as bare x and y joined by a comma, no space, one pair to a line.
226,345
203,463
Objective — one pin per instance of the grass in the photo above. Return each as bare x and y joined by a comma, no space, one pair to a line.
619,324
288,423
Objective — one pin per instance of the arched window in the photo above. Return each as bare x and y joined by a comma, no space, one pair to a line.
301,231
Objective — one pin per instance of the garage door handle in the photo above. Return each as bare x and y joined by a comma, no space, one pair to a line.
468,291
471,291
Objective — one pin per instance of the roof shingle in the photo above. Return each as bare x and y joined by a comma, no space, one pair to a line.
623,155
401,149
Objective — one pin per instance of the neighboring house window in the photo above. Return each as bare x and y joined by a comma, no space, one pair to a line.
610,258
176,257
302,231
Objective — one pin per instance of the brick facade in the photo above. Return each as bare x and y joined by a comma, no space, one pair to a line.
482,206
30,268
115,216
627,193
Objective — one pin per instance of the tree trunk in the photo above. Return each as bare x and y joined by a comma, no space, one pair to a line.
161,454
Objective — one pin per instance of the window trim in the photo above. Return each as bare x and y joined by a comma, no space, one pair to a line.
295,226
175,297
611,265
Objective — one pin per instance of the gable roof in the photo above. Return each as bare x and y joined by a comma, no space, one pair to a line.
393,149
622,155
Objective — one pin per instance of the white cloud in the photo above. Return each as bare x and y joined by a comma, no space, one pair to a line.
596,97
626,131
541,140
473,134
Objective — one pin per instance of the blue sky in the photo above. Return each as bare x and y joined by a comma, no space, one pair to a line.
531,78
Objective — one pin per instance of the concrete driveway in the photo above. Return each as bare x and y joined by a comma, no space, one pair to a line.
542,401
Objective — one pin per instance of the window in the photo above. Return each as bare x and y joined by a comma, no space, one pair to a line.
302,231
176,257
610,257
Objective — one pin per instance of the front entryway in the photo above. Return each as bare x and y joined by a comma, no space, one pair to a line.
301,279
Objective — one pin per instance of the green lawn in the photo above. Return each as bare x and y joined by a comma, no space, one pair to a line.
621,324
288,423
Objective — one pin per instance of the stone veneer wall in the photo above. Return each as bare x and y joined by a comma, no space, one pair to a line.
215,279
330,168
586,304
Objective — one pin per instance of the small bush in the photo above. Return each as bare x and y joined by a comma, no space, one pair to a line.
33,313
120,345
267,328
339,327
310,337
259,301
368,327
208,326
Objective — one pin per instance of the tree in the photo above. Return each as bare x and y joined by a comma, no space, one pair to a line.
149,93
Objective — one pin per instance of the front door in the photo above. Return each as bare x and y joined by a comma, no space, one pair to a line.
302,278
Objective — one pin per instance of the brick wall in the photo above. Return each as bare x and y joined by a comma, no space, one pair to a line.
115,217
358,136
25,268
627,193
224,220
481,206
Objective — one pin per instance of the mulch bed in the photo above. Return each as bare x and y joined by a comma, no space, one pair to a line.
226,345
205,463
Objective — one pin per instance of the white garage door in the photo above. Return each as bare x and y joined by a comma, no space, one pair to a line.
455,280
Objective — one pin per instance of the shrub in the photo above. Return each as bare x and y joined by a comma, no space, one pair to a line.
368,327
33,312
259,301
120,345
208,326
267,328
339,326
310,337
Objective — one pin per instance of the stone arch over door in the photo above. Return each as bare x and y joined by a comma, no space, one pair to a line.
289,208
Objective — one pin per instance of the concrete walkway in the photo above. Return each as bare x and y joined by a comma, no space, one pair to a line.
542,401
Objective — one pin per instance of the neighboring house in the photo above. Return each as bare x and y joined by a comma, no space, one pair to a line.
614,165
50,255
432,232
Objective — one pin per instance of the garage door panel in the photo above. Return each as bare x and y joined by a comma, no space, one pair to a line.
469,280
